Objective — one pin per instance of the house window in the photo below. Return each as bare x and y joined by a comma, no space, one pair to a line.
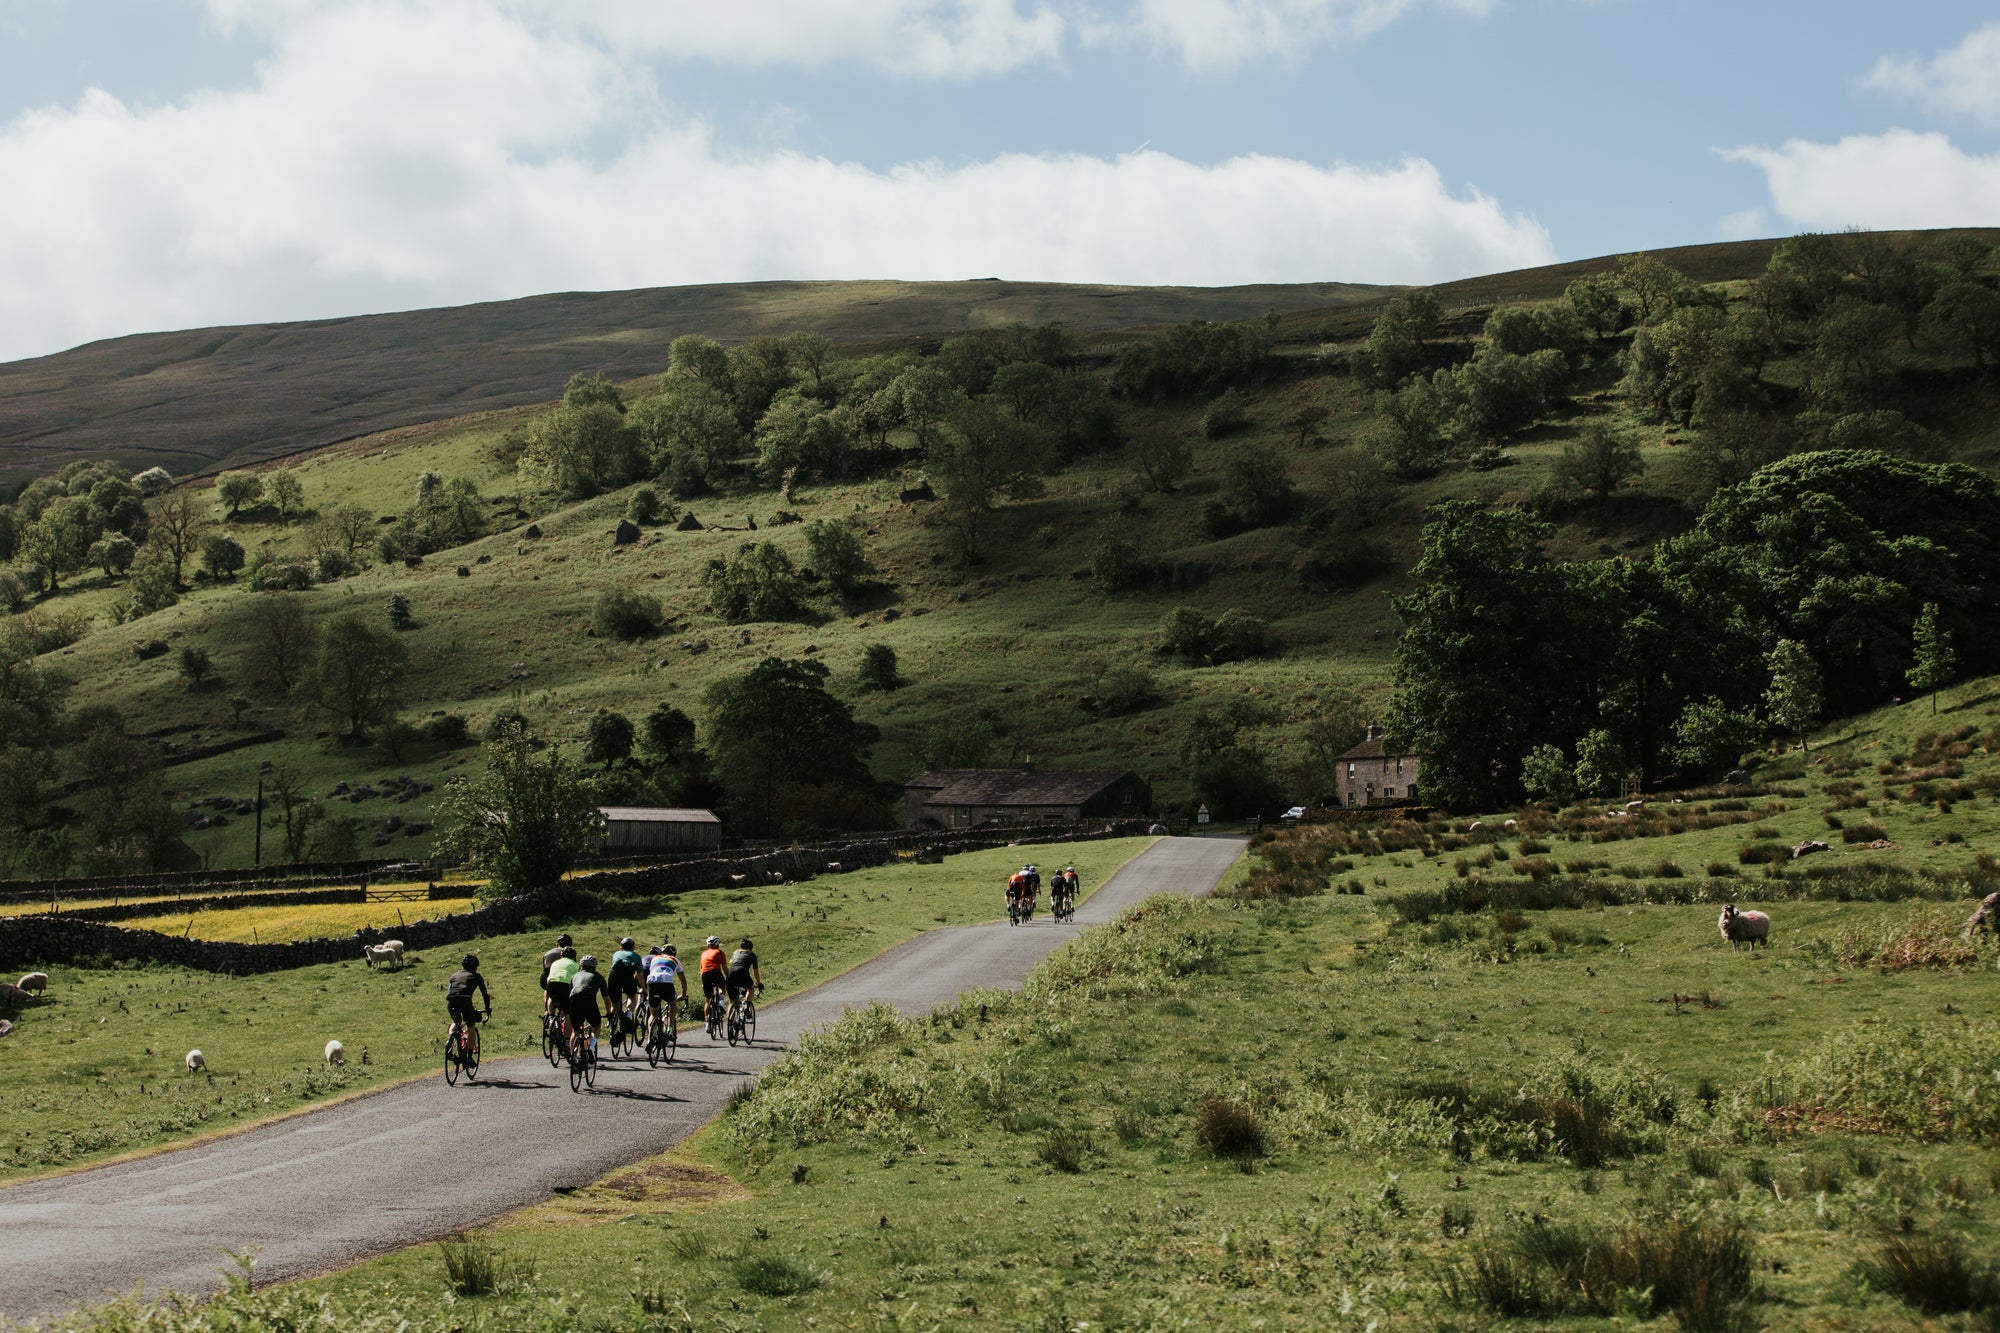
1413,791
1389,793
1399,766
1350,770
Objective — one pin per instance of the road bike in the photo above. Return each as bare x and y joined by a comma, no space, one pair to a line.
1013,912
743,1019
555,1037
714,1015
623,1027
662,1034
461,1052
582,1059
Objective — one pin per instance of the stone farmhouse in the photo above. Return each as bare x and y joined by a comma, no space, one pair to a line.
1372,773
964,797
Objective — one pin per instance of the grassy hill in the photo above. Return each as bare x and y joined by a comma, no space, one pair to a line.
1022,647
203,399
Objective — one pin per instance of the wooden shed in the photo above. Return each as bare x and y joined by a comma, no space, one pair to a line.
963,797
648,828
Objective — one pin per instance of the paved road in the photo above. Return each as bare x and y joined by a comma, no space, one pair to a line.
421,1160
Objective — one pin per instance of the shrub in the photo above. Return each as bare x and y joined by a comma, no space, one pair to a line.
1064,1149
1763,853
1227,1128
1188,633
332,564
879,670
473,1267
1117,564
195,667
1126,689
1930,1271
1225,416
1866,831
644,506
448,729
399,612
624,614
757,583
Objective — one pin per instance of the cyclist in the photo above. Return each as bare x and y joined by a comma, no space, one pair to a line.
556,981
663,969
458,993
548,961
584,988
624,987
714,963
743,972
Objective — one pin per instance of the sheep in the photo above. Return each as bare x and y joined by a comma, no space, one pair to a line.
833,867
12,996
738,881
6,1028
1987,914
1739,927
1511,825
34,983
1635,805
336,1054
386,952
775,876
196,1062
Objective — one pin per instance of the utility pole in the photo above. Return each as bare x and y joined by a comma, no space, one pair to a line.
257,813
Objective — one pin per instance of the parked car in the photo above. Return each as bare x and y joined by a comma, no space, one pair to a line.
1294,815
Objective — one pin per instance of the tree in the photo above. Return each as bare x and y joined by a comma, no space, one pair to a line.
1235,781
114,553
59,539
1710,737
195,667
1794,698
1601,765
221,555
132,824
177,527
1596,303
986,456
669,735
1545,776
835,554
610,740
579,450
624,614
694,357
644,506
1656,286
929,401
797,436
1254,493
593,390
237,489
355,673
776,727
1302,419
1337,724
526,820
812,353
1850,353
1598,462
1967,313
688,431
1162,458
399,612
281,633
878,668
285,493
346,529
298,812
1932,660
1415,417
757,583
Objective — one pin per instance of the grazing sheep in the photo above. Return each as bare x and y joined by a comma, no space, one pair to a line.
1511,825
1987,914
34,983
776,876
1475,826
1635,805
833,867
1808,847
738,881
336,1054
1741,927
5,1027
196,1062
12,996
388,951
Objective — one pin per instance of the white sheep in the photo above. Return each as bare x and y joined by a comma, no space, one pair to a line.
388,951
336,1054
34,983
1511,825
196,1062
1741,927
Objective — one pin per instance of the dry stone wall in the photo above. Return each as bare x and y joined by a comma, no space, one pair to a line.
70,938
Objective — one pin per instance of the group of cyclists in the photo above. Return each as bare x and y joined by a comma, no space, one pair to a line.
1024,886
639,993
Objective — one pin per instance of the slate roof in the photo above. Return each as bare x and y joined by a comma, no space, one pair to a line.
1374,748
653,814
1015,786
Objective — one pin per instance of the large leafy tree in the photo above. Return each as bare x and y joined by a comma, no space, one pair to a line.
526,819
355,672
988,455
776,727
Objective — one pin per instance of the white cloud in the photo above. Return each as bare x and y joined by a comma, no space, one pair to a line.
1211,34
1744,225
1901,179
391,156
1962,83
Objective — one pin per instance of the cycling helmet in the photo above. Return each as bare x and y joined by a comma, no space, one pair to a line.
667,949
625,943
568,952
563,939
747,944
588,962
470,962
715,941
656,949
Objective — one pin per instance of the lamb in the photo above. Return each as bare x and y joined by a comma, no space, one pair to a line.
34,983
1739,927
336,1054
196,1062
386,952
1987,914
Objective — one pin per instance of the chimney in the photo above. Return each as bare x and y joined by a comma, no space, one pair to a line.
1374,732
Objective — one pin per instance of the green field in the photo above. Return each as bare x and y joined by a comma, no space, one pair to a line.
97,1067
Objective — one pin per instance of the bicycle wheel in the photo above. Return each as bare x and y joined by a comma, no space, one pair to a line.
735,1022
469,1051
749,1021
549,1039
451,1059
577,1055
589,1067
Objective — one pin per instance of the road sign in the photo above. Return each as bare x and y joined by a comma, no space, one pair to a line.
1201,814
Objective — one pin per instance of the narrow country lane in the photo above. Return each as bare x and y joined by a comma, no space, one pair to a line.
422,1160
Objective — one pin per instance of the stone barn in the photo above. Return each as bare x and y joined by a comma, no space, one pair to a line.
964,797
643,828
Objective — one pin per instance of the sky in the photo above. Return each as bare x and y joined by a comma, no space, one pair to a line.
170,164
